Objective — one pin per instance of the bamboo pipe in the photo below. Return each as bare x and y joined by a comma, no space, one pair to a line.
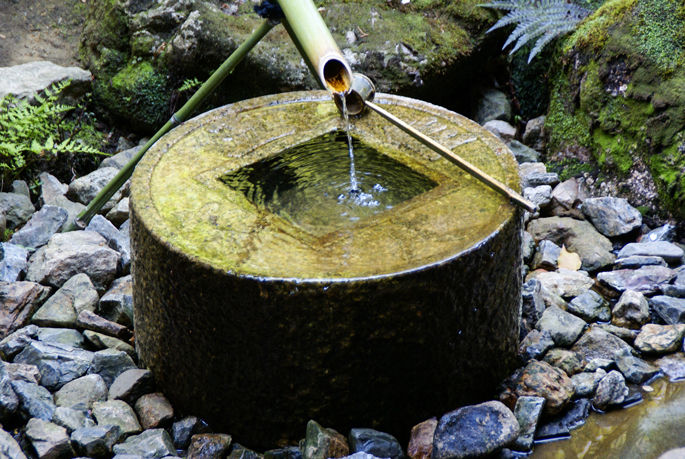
455,159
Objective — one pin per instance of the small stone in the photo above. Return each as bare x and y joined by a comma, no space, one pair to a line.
154,411
533,303
17,341
527,169
323,443
240,452
528,247
119,160
117,303
631,311
116,412
666,250
95,441
566,193
421,439
20,301
151,444
672,366
93,322
474,431
590,306
61,336
539,379
539,195
50,440
598,344
675,291
625,334
671,310
183,430
534,135
119,213
9,402
559,426
121,242
71,419
53,194
492,105
110,363
13,262
132,384
612,216
535,345
40,228
546,256
524,154
633,368
22,372
564,282
378,444
636,262
565,360
9,447
564,328
612,390
600,364
527,413
502,130
61,310
57,364
585,384
646,280
537,179
660,339
84,189
101,341
16,208
35,401
208,446
81,393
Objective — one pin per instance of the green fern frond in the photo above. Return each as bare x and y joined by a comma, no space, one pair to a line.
541,20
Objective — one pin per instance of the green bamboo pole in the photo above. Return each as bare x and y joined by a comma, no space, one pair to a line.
179,117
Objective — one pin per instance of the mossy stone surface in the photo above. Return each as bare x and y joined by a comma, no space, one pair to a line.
258,326
619,99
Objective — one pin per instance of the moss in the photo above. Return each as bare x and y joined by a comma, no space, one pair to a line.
660,33
105,37
668,169
570,167
592,33
566,129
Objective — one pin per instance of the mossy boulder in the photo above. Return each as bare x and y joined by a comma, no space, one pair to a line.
141,51
618,99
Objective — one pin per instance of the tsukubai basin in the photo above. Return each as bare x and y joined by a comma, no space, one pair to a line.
258,324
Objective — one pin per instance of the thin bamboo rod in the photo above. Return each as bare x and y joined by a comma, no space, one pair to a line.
177,118
455,159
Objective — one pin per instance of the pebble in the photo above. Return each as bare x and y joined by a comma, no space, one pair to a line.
378,444
154,411
631,310
209,446
563,327
323,443
421,439
612,390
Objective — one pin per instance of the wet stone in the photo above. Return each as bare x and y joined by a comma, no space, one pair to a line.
533,304
154,410
671,310
660,339
13,262
598,344
20,301
34,401
636,262
535,345
118,413
209,446
57,364
71,419
664,233
565,328
183,430
110,363
527,412
631,311
151,444
61,336
378,444
634,369
560,425
474,431
672,366
421,439
81,393
666,250
131,384
95,441
565,360
600,364
585,383
612,216
647,280
539,379
590,306
50,440
546,256
40,228
17,341
612,390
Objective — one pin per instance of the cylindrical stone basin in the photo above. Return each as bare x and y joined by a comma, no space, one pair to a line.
258,322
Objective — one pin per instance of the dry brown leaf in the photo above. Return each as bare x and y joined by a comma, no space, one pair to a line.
568,260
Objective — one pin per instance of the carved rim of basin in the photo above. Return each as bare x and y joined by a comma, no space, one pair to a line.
183,202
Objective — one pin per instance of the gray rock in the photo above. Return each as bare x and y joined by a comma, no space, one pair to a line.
16,208
474,431
53,194
585,383
64,336
666,250
154,411
119,213
534,135
209,446
101,341
565,360
34,401
675,291
551,297
646,280
625,334
121,242
527,412
378,444
61,310
671,310
84,189
21,187
151,444
9,446
81,393
564,282
110,363
50,440
590,306
68,254
528,246
20,301
633,368
183,430
13,262
672,366
17,341
527,169
665,233
501,129
71,419
26,80
677,453
535,345
524,154
117,303
57,364
93,322
600,364
117,412
636,262
492,105
40,228
119,160
612,390
322,443
9,402
103,227
612,216
566,194
540,195
533,303
537,179
559,426
631,310
96,441
660,339
21,372
564,328
546,256
598,344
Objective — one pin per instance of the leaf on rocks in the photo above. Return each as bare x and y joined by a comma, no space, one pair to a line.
568,260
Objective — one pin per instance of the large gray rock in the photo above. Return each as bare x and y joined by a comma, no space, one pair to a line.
71,419
17,209
61,336
9,446
564,282
590,306
598,344
35,401
50,440
57,364
541,195
122,158
535,345
579,237
53,193
22,372
116,412
132,384
81,393
647,280
20,301
13,262
671,310
40,228
61,310
117,303
666,250
634,369
474,431
110,363
565,328
637,261
631,311
503,130
546,256
534,135
612,216
151,444
26,80
524,154
68,254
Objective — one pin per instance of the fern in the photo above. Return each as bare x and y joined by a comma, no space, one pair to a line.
541,20
29,132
